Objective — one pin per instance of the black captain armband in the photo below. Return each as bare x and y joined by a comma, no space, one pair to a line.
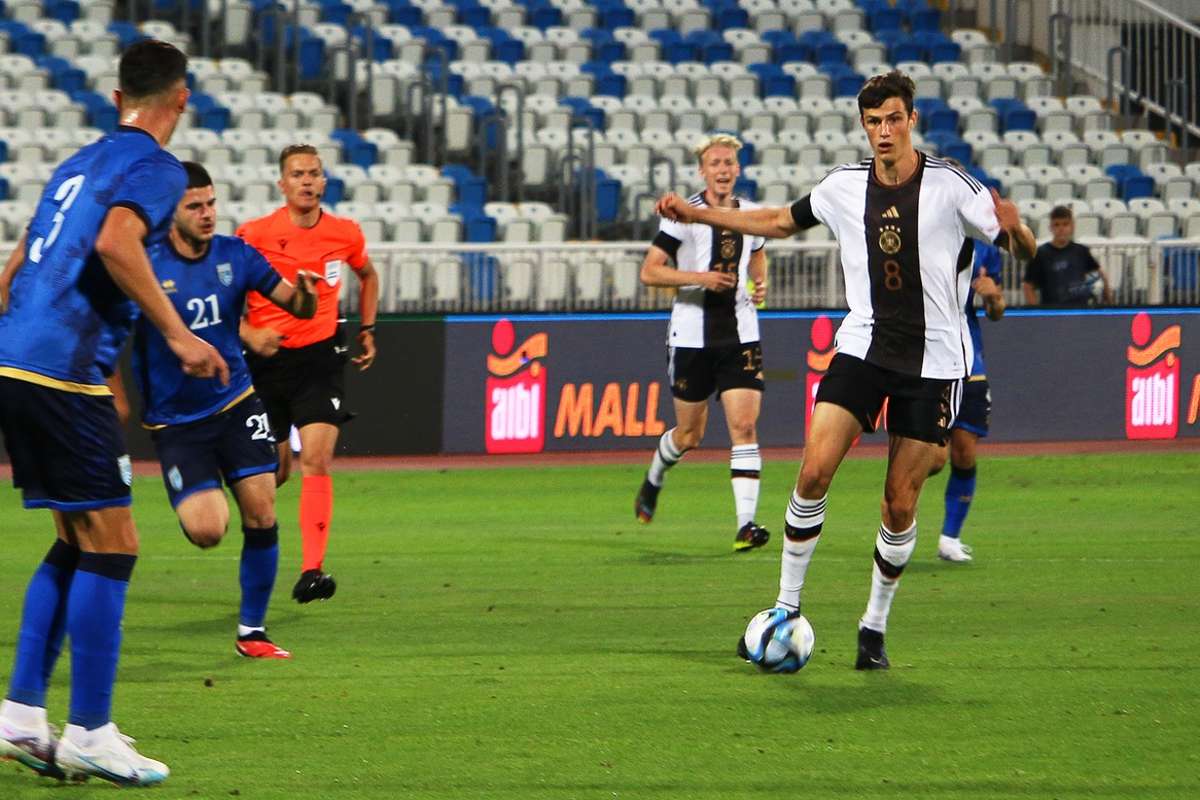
1002,240
667,242
802,213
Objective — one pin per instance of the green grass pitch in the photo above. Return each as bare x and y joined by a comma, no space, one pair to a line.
512,633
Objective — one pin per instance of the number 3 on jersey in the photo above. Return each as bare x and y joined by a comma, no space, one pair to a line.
68,190
206,311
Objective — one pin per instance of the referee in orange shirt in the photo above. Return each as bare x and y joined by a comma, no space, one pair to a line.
298,366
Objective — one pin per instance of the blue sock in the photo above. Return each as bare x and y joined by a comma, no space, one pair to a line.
260,562
94,610
960,489
42,625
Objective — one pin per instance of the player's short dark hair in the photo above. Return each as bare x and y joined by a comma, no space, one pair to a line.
880,88
150,67
197,175
1061,212
296,150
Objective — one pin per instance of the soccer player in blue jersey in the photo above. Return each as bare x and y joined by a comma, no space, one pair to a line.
975,410
82,259
206,432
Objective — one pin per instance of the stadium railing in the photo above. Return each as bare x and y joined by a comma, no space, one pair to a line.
594,277
1146,58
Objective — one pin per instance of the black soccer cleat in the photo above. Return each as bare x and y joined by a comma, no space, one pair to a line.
646,502
871,654
750,536
314,585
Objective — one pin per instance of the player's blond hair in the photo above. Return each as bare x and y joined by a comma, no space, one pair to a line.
715,140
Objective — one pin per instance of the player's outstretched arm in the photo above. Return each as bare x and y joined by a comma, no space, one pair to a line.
368,307
120,248
657,271
15,259
300,300
773,223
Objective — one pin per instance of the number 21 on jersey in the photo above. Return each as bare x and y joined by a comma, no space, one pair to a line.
206,312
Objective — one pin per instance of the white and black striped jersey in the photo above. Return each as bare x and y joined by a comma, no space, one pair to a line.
900,249
701,318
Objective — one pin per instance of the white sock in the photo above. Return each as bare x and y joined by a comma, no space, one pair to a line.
22,715
666,456
246,630
892,552
801,532
745,465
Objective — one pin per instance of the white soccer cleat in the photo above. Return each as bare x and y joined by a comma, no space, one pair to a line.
109,754
33,747
951,549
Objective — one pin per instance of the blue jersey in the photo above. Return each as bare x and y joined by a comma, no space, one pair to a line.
987,262
65,308
209,293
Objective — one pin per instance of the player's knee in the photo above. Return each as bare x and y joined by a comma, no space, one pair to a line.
939,461
258,518
814,480
898,510
204,535
743,431
687,438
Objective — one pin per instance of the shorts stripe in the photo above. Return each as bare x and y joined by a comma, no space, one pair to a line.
237,475
191,490
78,505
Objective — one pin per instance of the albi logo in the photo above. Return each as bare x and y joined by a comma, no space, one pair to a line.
1152,381
516,392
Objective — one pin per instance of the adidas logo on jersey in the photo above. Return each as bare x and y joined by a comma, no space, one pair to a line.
891,213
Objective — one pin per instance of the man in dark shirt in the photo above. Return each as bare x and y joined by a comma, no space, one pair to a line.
1062,269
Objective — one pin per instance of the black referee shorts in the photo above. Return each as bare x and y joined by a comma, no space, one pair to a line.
917,408
302,385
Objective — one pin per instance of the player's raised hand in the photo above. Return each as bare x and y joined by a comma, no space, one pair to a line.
1006,211
673,207
200,359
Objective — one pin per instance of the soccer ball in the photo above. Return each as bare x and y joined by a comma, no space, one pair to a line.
775,643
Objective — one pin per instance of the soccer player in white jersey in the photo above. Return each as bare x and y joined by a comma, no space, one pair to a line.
713,340
900,219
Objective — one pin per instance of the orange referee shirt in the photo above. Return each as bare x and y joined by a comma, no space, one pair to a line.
323,249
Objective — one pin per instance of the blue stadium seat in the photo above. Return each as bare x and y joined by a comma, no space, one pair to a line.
1137,186
209,113
746,187
335,190
543,16
773,81
62,75
336,12
472,14
1014,115
101,113
65,11
482,269
581,107
980,174
604,82
403,12
925,19
731,17
3,189
469,188
885,19
613,14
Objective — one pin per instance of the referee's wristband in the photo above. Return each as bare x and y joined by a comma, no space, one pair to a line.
366,328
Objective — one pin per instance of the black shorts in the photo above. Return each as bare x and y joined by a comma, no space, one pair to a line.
232,445
67,449
917,408
696,372
303,385
976,410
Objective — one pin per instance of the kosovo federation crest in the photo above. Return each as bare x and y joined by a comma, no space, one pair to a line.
225,274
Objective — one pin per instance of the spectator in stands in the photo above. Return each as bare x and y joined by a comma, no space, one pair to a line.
1063,270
